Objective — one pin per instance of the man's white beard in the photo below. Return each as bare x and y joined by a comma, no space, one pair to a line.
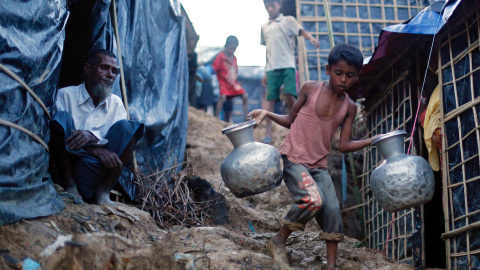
101,91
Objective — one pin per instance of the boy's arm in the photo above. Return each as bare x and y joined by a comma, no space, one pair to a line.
287,119
309,36
346,143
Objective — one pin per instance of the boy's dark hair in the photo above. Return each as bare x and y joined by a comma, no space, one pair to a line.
269,1
231,39
92,59
350,54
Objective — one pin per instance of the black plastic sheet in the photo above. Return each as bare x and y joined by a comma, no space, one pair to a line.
31,42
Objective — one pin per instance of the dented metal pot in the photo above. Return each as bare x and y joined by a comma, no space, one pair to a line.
251,167
401,181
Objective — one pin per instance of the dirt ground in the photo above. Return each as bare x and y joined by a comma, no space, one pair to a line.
124,237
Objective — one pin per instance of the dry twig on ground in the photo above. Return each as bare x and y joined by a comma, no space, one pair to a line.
167,197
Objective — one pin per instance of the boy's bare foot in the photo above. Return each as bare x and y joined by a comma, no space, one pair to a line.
324,266
103,197
72,190
277,250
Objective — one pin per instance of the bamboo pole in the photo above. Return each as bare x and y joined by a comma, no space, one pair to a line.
122,75
329,23
444,170
450,234
302,61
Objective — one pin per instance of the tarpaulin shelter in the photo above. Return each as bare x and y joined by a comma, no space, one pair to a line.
44,43
437,48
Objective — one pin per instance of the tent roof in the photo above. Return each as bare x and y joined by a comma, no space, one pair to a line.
395,40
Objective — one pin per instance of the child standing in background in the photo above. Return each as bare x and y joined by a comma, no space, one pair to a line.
225,66
278,35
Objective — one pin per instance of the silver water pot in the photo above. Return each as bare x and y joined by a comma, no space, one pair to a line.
401,181
251,167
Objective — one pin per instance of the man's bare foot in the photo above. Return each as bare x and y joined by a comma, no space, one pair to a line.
277,250
72,190
103,197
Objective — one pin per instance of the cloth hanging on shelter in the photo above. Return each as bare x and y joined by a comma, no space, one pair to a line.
432,127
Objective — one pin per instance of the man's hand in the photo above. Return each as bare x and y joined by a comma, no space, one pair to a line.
258,115
80,138
264,80
108,158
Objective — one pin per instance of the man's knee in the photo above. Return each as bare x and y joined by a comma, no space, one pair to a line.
61,124
122,124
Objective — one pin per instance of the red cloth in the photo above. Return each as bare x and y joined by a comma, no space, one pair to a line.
227,70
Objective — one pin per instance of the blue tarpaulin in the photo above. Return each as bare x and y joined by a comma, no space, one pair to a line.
31,43
393,39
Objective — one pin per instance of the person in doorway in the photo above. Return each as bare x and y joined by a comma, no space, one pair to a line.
91,139
313,120
278,35
226,68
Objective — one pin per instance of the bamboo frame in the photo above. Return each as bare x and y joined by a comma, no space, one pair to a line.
452,232
377,221
367,26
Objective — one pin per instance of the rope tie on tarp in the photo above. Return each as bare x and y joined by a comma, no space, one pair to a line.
35,137
29,90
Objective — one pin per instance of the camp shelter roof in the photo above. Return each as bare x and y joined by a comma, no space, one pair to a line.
395,40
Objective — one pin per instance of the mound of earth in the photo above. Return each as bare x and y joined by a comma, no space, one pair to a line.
124,237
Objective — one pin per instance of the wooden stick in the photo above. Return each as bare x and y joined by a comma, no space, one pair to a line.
458,231
355,207
122,75
445,188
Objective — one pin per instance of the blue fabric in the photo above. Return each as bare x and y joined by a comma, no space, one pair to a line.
395,38
88,171
427,22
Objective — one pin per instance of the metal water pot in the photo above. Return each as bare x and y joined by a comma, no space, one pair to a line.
251,167
401,181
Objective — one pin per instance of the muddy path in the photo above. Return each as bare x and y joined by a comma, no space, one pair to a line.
124,237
